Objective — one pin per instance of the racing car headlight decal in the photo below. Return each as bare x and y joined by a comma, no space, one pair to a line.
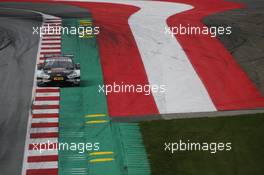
45,76
73,75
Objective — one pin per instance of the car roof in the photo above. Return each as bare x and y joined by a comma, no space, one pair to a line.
59,58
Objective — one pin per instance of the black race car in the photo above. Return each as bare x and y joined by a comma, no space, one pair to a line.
58,70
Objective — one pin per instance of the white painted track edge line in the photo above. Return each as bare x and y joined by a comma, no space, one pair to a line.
47,94
46,102
42,153
45,111
51,140
27,138
45,120
42,165
44,130
26,146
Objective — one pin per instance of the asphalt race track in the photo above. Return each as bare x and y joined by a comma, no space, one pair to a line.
64,11
18,51
17,65
246,42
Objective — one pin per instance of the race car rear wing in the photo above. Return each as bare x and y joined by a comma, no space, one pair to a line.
58,55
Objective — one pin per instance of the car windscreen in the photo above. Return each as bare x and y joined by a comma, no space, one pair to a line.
58,63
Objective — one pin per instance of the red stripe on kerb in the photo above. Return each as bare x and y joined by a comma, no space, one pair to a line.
42,171
46,158
47,90
51,35
50,39
52,25
50,48
227,84
45,115
53,98
45,106
120,58
49,53
44,125
44,135
50,43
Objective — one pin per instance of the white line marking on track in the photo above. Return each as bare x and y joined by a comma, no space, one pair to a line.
51,37
50,41
42,153
45,111
46,102
43,140
41,165
50,46
44,130
27,139
45,120
47,94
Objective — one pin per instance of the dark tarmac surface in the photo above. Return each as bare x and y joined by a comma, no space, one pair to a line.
56,9
18,53
246,43
18,50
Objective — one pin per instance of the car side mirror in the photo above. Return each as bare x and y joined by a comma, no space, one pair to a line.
77,66
40,66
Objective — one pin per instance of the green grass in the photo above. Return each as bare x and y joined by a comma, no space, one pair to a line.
246,133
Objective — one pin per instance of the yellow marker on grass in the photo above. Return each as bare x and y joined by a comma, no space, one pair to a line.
86,23
95,115
99,160
101,153
96,121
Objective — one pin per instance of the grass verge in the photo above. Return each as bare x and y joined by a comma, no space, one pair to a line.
244,132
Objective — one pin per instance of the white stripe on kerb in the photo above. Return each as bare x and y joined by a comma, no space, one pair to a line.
44,130
42,165
46,102
47,94
42,152
45,111
43,140
45,120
